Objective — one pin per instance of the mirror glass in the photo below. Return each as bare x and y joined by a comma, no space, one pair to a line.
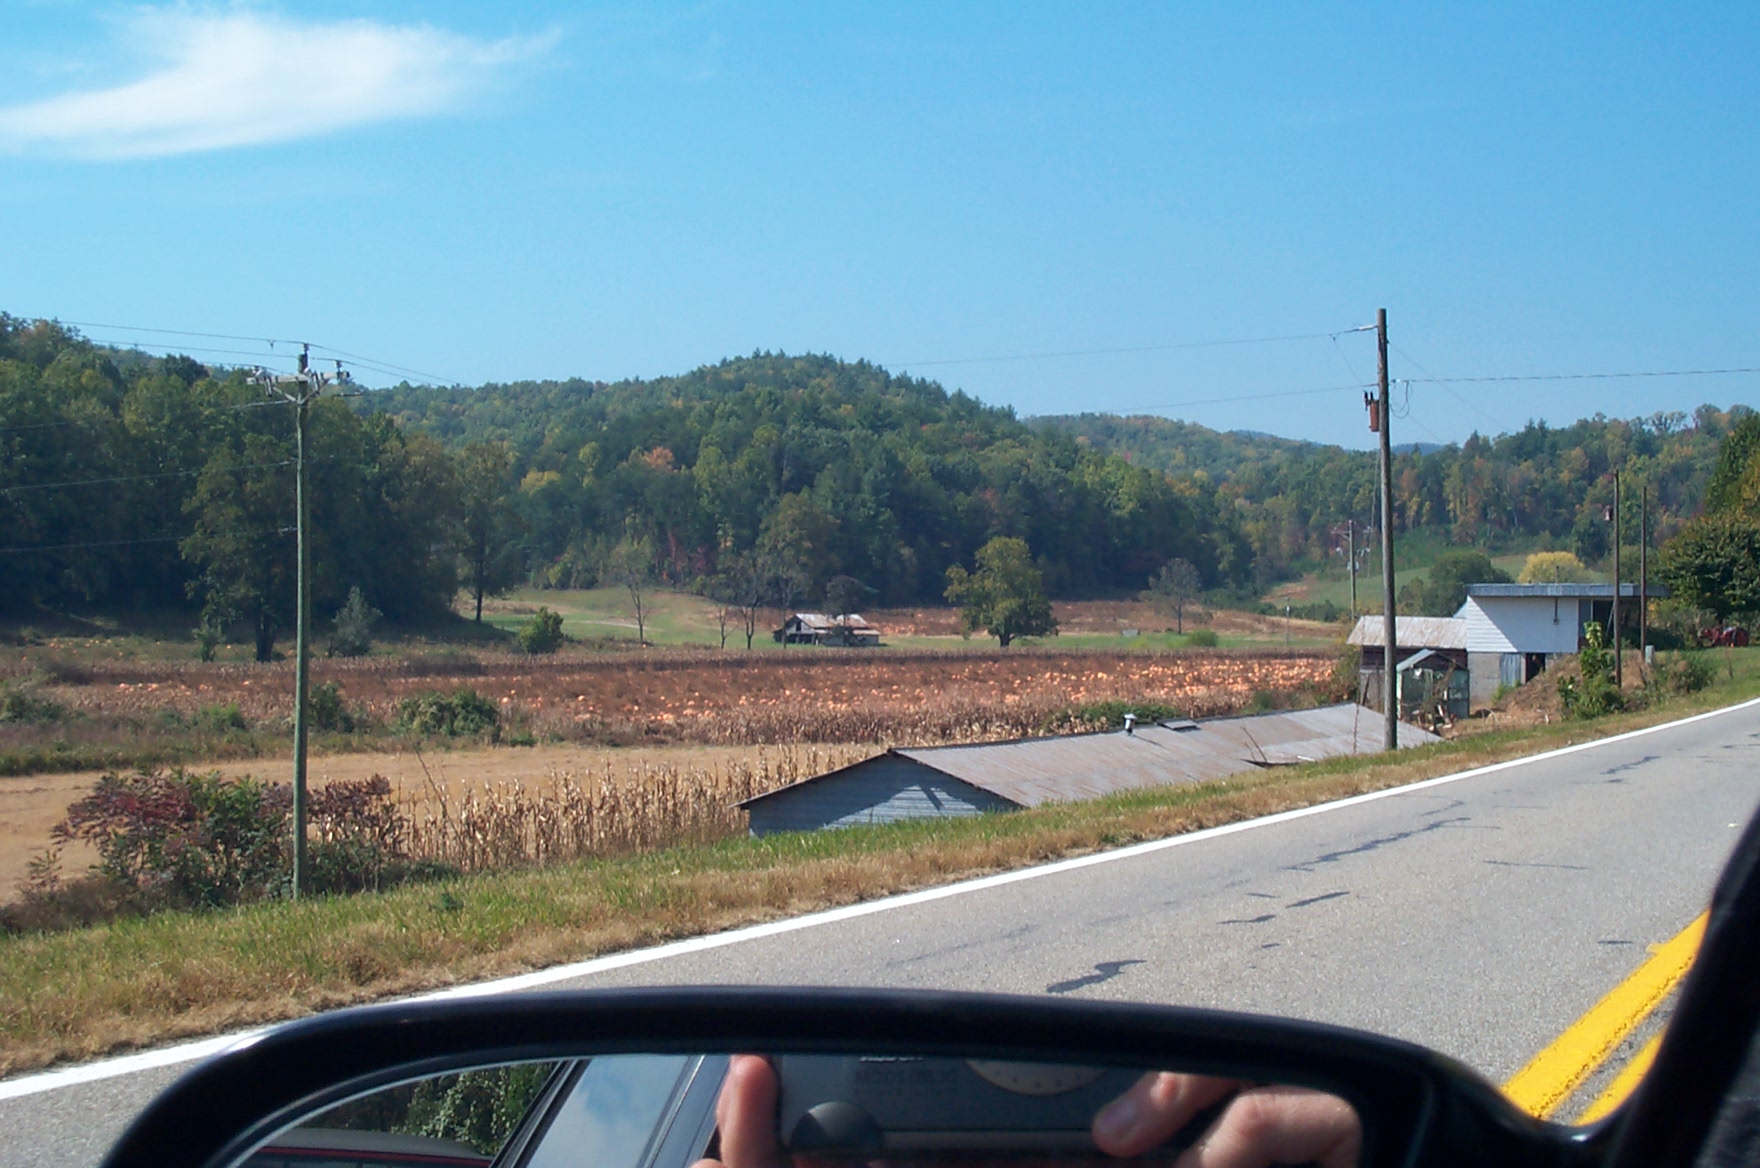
808,1111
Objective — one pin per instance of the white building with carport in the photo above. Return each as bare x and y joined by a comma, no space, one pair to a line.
1515,631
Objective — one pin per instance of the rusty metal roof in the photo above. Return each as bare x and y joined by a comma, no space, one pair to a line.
1309,735
1084,766
1413,632
818,621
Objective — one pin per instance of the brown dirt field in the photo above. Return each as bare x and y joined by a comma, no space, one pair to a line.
809,695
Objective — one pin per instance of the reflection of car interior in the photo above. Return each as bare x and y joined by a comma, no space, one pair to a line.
315,1147
658,1111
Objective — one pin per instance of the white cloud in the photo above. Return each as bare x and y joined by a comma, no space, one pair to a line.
238,78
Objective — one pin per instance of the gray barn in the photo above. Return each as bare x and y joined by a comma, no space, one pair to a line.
967,780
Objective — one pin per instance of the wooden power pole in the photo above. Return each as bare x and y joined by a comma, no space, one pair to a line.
1644,572
1389,619
1619,673
300,390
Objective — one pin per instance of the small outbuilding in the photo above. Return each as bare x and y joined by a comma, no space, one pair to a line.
937,781
1433,676
1515,631
816,628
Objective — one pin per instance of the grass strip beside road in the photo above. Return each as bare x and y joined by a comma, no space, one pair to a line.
1553,1075
171,976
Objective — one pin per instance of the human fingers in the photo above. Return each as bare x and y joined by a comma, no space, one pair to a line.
1279,1125
1156,1106
745,1116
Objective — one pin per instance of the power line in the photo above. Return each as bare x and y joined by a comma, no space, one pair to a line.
387,367
1587,376
134,347
1131,349
61,547
381,366
1211,401
1471,405
170,474
135,328
112,418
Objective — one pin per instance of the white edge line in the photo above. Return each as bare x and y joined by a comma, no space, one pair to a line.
193,1051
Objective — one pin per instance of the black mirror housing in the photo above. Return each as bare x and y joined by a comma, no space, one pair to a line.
1416,1107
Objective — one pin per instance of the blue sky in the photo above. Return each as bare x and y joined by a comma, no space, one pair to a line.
526,189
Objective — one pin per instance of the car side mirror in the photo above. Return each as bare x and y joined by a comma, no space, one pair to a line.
759,1078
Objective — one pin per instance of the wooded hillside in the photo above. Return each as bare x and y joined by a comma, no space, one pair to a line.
131,481
1540,485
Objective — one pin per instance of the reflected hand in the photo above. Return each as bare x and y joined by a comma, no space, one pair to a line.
1259,1126
745,1115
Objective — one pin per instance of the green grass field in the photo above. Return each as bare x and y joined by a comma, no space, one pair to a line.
607,614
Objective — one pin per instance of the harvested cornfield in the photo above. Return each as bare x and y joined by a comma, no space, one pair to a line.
792,696
610,811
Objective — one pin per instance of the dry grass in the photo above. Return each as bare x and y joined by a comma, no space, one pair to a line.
484,787
575,814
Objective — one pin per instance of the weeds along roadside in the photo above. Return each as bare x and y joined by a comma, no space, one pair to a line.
192,841
151,980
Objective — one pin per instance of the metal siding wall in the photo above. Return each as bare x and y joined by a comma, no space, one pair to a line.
1525,624
1483,635
881,790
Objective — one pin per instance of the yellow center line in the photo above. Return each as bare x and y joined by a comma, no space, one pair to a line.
1624,1082
1550,1077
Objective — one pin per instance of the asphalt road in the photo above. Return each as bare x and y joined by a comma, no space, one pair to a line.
1480,917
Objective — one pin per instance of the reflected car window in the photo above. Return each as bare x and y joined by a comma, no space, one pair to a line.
612,1114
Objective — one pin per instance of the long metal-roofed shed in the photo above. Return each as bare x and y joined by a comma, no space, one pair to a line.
937,781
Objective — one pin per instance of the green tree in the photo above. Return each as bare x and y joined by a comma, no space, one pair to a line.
1595,694
490,527
631,565
353,635
1714,563
1005,595
845,595
1737,459
1444,588
1174,587
243,510
543,633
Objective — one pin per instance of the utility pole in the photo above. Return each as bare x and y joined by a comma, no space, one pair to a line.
300,390
1644,571
1348,529
1389,619
1619,676
1350,536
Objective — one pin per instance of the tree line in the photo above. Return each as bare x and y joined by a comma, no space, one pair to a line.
131,482
1542,484
779,475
